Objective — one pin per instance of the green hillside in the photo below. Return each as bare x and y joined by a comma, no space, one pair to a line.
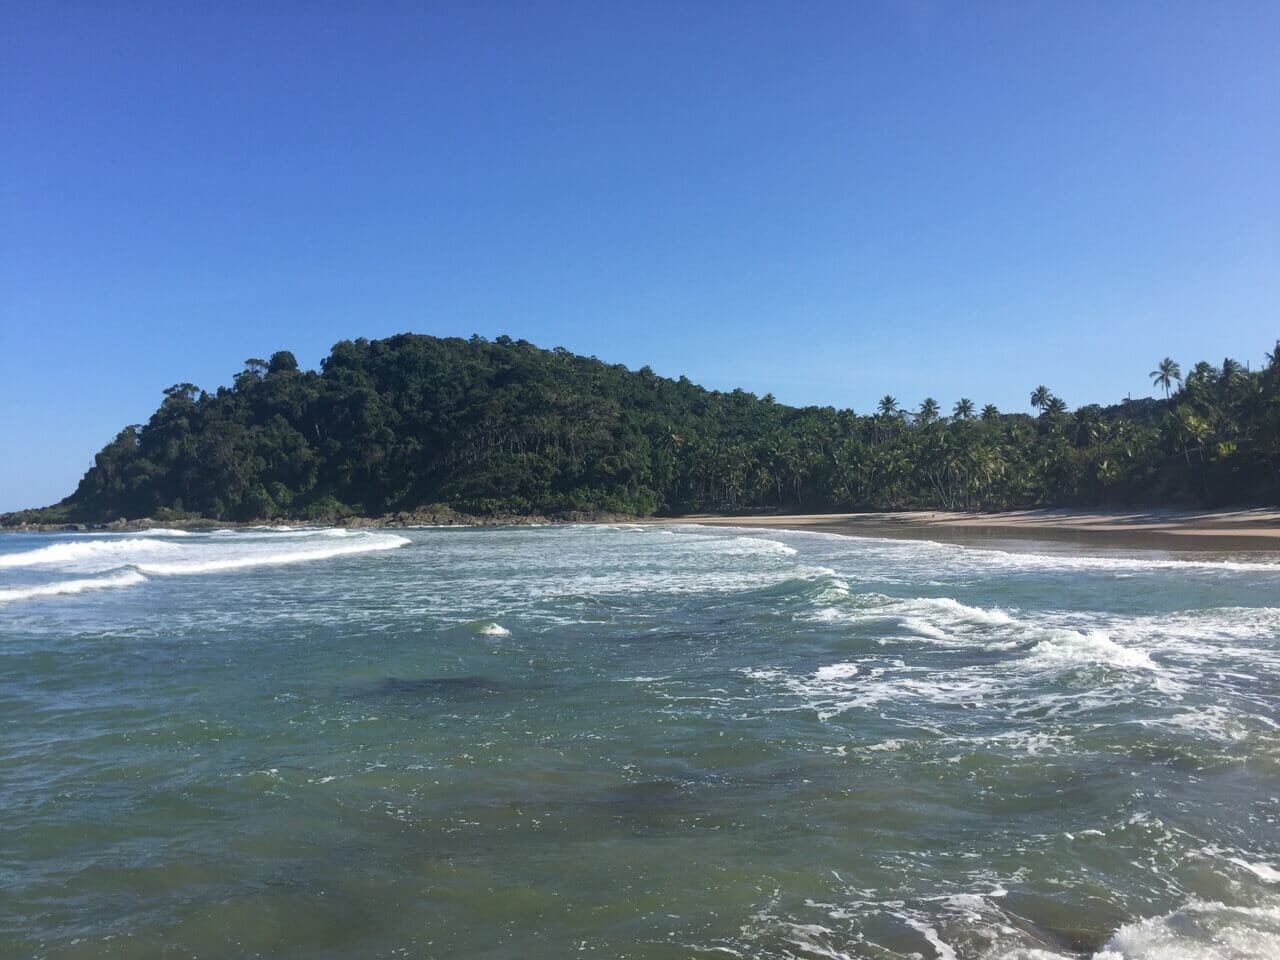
505,427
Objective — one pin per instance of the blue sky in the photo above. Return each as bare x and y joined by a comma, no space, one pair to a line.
828,202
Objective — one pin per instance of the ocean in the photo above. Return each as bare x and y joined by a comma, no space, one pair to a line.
634,742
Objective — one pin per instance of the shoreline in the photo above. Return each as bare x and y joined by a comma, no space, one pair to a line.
1216,531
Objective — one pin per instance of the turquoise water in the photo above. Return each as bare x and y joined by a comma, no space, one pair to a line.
634,742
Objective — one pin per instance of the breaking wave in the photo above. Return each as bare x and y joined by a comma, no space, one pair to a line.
111,552
1199,930
131,561
127,579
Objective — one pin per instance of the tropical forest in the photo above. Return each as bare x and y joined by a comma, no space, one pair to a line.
502,427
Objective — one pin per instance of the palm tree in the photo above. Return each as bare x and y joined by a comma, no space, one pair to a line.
1232,373
888,407
1040,397
1165,374
928,411
990,412
1055,407
963,408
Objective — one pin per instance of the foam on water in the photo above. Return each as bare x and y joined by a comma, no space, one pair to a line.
132,560
1016,760
255,558
948,621
1071,648
1200,931
102,554
837,671
128,578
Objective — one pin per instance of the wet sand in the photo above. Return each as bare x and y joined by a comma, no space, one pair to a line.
1202,531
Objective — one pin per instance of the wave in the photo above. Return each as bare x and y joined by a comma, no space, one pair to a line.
836,671
488,628
374,543
131,561
114,552
947,621
128,578
1071,648
731,541
756,545
1062,562
1200,930
978,926
837,688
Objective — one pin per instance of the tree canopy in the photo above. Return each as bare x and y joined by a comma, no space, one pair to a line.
505,427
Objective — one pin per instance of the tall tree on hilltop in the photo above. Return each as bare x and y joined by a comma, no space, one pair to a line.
1165,374
1040,397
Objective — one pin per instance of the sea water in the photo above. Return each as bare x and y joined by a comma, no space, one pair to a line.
634,742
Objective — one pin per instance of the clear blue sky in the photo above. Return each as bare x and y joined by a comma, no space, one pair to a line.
828,202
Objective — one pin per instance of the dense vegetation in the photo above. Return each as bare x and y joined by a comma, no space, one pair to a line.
504,427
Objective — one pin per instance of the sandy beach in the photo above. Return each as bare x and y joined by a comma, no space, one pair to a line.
1216,530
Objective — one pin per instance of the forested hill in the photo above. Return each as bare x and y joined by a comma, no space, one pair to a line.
505,427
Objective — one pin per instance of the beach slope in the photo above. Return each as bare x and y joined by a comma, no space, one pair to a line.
1255,529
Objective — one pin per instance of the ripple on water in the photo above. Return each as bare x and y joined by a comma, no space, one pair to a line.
654,742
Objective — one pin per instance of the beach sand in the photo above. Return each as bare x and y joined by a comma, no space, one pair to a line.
1217,530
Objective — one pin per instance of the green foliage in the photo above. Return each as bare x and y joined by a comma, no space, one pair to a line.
503,427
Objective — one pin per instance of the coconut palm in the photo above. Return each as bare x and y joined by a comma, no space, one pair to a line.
1165,374
1040,397
888,406
963,408
928,411
990,412
1233,375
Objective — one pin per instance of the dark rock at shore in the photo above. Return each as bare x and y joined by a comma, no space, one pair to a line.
427,517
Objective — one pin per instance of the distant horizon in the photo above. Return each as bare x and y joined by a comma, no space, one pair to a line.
827,204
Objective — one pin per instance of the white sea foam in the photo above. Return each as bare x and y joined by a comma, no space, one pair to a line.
836,671
962,611
941,950
1072,648
131,560
936,617
494,630
757,545
947,621
256,558
1263,871
128,578
103,554
830,692
1199,931
1213,721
